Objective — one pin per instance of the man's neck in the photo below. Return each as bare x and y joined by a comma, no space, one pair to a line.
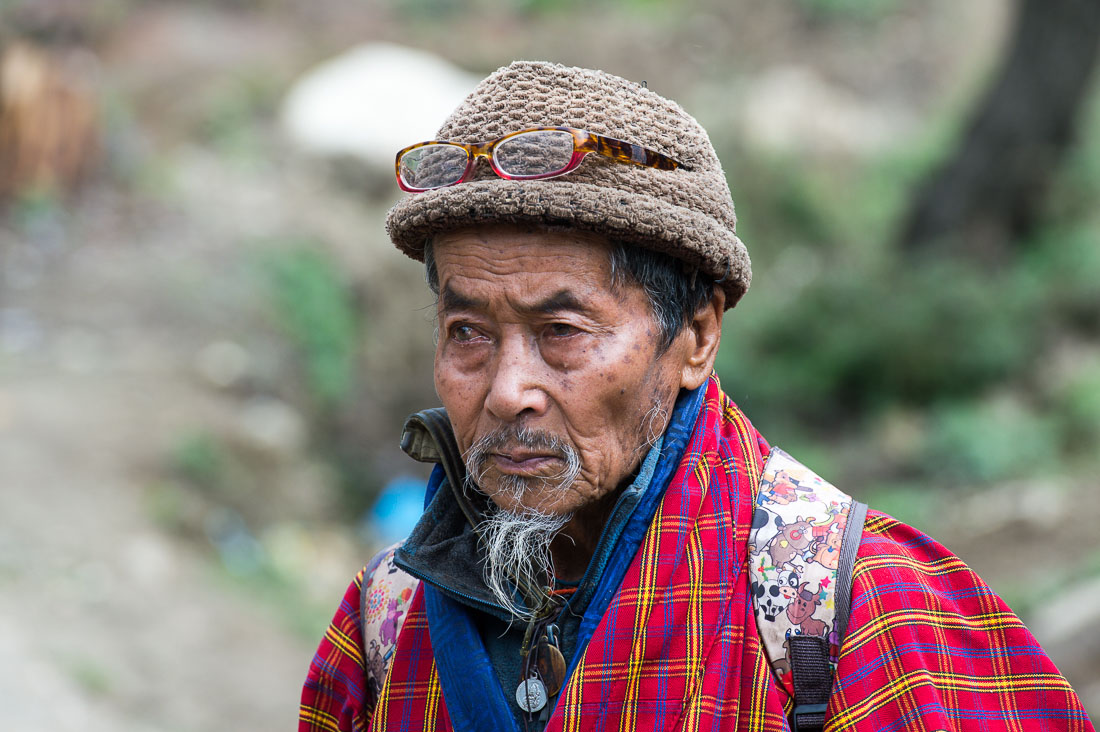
572,549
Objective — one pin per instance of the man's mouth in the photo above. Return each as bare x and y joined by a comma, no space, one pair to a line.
521,458
524,462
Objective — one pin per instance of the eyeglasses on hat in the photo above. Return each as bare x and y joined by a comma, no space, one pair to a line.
529,154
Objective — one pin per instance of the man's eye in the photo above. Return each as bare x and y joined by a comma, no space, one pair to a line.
561,330
464,333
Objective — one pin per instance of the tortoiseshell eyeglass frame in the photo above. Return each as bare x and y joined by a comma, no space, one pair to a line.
584,142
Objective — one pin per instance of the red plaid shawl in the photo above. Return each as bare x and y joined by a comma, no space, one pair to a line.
930,647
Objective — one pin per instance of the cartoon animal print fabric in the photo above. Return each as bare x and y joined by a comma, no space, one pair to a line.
385,599
794,550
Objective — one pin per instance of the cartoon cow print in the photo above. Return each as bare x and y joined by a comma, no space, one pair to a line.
788,584
791,541
802,609
770,599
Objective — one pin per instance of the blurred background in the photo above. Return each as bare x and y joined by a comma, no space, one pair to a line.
208,345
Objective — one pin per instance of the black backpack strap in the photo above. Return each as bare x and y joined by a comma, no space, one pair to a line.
811,671
813,681
853,534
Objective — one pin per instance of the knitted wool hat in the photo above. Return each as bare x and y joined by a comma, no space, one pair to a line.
687,214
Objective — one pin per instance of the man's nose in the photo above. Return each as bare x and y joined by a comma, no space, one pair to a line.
515,389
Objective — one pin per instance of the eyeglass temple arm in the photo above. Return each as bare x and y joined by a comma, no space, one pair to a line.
627,152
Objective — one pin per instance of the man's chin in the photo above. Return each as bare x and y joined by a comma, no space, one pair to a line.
529,496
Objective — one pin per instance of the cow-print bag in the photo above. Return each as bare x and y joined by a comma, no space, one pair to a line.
802,548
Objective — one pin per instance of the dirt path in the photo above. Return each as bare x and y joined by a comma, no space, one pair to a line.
107,621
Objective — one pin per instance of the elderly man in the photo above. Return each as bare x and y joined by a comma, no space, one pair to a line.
607,542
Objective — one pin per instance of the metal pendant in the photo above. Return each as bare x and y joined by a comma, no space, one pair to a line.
531,695
551,666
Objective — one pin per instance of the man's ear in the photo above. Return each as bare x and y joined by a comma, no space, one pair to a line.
704,333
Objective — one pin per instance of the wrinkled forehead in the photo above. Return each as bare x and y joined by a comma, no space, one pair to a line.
534,254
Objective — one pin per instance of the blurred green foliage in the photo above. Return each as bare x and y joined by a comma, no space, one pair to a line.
1078,401
234,111
841,330
200,458
436,9
313,305
851,9
990,440
91,675
1029,594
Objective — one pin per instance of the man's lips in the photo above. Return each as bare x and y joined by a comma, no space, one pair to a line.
523,461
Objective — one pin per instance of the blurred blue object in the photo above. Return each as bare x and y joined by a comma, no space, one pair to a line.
396,511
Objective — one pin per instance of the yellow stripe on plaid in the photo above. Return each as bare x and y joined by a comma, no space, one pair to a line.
431,707
998,619
571,710
746,435
346,644
712,706
846,718
985,622
644,606
693,663
879,524
1002,665
944,664
675,524
761,673
613,671
937,568
319,720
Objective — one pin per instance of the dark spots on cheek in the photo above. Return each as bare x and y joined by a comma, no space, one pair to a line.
622,392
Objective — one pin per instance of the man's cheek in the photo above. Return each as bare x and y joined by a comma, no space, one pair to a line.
454,393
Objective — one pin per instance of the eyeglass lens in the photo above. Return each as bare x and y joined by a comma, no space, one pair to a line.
535,153
433,166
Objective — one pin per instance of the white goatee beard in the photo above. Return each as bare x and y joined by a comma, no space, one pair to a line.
517,547
517,543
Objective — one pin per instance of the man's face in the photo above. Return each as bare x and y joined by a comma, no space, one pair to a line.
532,335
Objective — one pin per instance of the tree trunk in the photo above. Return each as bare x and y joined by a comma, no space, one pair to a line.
986,197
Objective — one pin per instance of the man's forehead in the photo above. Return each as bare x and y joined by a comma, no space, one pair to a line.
545,260
515,234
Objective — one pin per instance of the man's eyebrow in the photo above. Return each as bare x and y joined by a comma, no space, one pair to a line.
560,301
451,300
563,300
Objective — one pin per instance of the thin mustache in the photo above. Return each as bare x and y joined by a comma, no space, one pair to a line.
524,436
477,455
479,463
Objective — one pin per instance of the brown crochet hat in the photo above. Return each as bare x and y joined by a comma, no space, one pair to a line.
687,214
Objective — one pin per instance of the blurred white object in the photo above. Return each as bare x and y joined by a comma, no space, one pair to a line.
792,109
372,101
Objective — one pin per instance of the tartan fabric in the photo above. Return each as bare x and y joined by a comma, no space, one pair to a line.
335,696
930,647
